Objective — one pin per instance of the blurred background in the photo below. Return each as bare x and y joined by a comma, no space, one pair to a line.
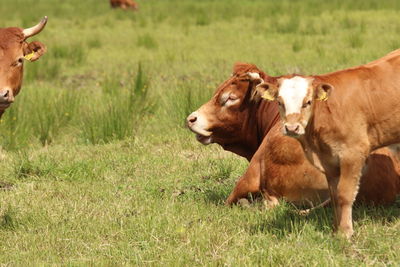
97,166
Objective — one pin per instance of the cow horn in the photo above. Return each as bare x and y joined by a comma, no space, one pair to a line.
35,29
255,77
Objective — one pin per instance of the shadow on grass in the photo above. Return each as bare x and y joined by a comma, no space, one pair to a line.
5,186
382,214
219,197
285,220
215,197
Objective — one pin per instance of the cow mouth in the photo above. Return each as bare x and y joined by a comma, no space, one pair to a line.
202,135
4,105
291,134
205,140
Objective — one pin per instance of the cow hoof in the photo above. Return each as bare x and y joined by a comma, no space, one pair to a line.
270,204
244,203
345,234
304,212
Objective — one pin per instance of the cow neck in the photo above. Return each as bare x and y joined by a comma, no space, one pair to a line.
262,116
267,117
260,120
316,127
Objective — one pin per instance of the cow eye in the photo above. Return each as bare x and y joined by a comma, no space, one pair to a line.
308,103
229,100
281,105
232,97
18,62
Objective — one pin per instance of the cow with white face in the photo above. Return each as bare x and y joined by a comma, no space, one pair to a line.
14,50
295,97
342,117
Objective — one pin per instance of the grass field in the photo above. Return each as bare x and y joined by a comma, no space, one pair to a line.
97,167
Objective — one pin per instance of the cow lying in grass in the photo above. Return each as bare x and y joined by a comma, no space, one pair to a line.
124,4
238,121
14,49
342,117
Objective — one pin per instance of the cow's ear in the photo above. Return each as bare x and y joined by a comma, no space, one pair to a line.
34,50
241,67
323,91
253,77
267,91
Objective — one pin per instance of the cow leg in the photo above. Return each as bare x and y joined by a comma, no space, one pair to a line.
270,201
332,186
346,192
248,183
250,180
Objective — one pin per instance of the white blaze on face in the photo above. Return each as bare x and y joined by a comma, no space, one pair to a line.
293,91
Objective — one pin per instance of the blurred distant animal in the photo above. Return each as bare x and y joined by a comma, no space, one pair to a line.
14,50
124,4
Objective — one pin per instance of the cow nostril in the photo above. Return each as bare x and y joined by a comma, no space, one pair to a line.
6,93
192,119
292,128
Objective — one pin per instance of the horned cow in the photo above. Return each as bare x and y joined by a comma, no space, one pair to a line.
14,50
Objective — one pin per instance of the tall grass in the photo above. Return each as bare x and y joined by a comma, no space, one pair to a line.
147,41
186,96
119,111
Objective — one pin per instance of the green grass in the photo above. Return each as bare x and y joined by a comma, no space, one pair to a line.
97,167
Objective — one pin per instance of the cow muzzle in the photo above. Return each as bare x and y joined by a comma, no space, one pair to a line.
198,124
293,129
6,98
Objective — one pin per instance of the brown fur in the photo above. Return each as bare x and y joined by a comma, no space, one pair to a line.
124,4
13,47
361,114
278,166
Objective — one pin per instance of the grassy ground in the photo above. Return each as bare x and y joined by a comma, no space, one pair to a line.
98,168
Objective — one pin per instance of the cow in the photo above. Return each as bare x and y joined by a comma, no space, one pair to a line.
341,116
251,128
14,49
124,4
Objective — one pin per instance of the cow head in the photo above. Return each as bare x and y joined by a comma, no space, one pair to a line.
224,118
14,50
296,97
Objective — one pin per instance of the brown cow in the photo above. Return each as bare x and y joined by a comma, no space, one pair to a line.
342,116
249,128
13,50
124,4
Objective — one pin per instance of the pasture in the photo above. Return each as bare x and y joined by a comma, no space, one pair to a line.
98,168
